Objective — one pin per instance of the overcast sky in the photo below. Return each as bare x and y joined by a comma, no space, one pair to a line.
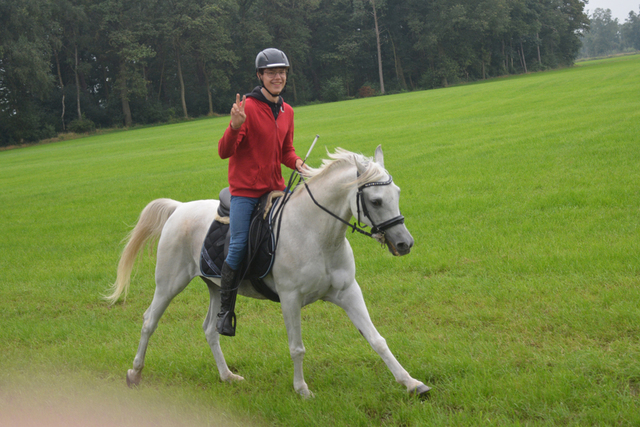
619,8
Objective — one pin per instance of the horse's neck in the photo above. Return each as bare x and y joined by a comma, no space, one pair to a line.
332,190
332,193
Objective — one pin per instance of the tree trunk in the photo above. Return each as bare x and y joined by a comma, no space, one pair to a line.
524,60
124,96
206,82
399,72
182,95
506,59
55,52
161,77
444,82
77,84
106,83
126,110
146,83
511,54
375,21
538,46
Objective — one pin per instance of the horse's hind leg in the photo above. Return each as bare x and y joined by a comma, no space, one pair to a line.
167,287
213,338
352,302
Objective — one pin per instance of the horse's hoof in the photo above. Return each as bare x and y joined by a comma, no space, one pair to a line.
305,393
231,378
422,390
133,378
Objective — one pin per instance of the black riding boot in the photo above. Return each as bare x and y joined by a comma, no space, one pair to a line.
226,324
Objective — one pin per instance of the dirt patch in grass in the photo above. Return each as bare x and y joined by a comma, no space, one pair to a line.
54,402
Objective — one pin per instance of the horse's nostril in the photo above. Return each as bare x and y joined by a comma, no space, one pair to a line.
402,246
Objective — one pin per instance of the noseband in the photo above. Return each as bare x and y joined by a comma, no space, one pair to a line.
375,228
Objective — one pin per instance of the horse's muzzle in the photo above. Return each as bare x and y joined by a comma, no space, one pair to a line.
401,246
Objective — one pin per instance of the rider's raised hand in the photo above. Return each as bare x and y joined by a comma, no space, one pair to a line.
238,116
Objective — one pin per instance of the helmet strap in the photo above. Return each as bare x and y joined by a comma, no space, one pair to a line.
265,88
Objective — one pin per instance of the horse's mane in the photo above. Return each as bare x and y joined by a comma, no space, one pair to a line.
373,171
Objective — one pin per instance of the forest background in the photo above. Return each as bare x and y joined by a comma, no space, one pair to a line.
74,65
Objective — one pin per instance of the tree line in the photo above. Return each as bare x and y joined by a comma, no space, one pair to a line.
73,65
607,36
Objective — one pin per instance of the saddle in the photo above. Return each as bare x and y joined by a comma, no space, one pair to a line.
261,246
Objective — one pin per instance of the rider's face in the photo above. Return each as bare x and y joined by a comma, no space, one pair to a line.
274,79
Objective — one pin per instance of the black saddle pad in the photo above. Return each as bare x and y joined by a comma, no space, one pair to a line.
260,252
214,250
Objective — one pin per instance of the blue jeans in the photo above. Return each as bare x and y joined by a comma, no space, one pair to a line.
239,222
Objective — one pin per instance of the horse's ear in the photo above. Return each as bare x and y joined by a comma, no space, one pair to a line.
361,168
378,156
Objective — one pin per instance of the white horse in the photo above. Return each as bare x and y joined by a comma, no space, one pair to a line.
314,260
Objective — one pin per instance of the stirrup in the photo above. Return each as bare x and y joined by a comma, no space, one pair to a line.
226,324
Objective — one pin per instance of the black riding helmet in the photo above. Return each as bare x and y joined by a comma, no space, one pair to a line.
271,58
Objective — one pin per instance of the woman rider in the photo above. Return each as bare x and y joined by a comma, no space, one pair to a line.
258,140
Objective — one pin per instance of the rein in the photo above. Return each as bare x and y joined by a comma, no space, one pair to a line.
377,230
353,226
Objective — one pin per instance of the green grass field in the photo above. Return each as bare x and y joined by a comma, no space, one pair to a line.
519,304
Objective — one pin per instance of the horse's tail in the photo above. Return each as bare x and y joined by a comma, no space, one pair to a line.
149,227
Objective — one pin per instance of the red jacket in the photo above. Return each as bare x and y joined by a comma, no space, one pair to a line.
258,148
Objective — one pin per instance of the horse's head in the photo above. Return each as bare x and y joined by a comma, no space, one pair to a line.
377,205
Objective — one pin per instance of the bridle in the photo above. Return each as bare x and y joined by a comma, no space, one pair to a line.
376,228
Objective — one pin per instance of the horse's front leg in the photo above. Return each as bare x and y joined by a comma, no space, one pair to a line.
291,305
352,301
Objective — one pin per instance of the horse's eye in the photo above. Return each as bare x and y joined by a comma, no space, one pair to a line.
376,202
